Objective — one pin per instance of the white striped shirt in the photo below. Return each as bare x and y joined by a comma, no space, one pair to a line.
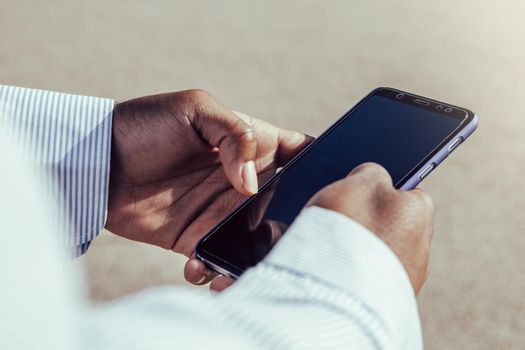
329,283
69,137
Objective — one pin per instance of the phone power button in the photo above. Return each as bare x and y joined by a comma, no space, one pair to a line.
427,171
455,144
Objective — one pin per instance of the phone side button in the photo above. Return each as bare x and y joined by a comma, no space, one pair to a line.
455,144
427,171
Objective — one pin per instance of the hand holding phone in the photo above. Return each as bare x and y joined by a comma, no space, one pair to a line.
408,135
401,219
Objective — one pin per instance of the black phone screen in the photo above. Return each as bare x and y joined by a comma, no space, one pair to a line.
387,128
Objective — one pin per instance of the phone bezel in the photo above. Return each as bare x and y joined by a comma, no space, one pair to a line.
226,268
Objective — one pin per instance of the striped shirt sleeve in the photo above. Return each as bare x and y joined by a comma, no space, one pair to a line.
353,273
329,283
68,137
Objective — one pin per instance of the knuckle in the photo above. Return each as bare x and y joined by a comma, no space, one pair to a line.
241,126
322,198
373,170
329,197
248,136
369,166
419,203
197,94
248,119
426,201
239,132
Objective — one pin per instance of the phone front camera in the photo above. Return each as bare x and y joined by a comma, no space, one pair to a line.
400,96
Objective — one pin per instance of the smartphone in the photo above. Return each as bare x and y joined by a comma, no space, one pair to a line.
408,135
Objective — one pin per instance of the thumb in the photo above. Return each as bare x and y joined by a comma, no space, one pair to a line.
290,144
235,139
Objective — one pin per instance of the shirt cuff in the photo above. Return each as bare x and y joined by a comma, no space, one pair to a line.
68,138
330,247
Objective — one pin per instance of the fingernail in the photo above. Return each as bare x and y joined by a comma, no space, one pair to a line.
203,278
249,177
195,265
249,135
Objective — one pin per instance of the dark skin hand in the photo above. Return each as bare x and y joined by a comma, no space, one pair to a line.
180,162
402,219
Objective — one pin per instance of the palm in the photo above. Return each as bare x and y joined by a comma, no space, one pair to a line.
167,185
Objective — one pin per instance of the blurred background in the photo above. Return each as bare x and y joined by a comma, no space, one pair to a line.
301,64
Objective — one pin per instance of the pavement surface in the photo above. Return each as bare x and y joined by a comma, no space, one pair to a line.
301,64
